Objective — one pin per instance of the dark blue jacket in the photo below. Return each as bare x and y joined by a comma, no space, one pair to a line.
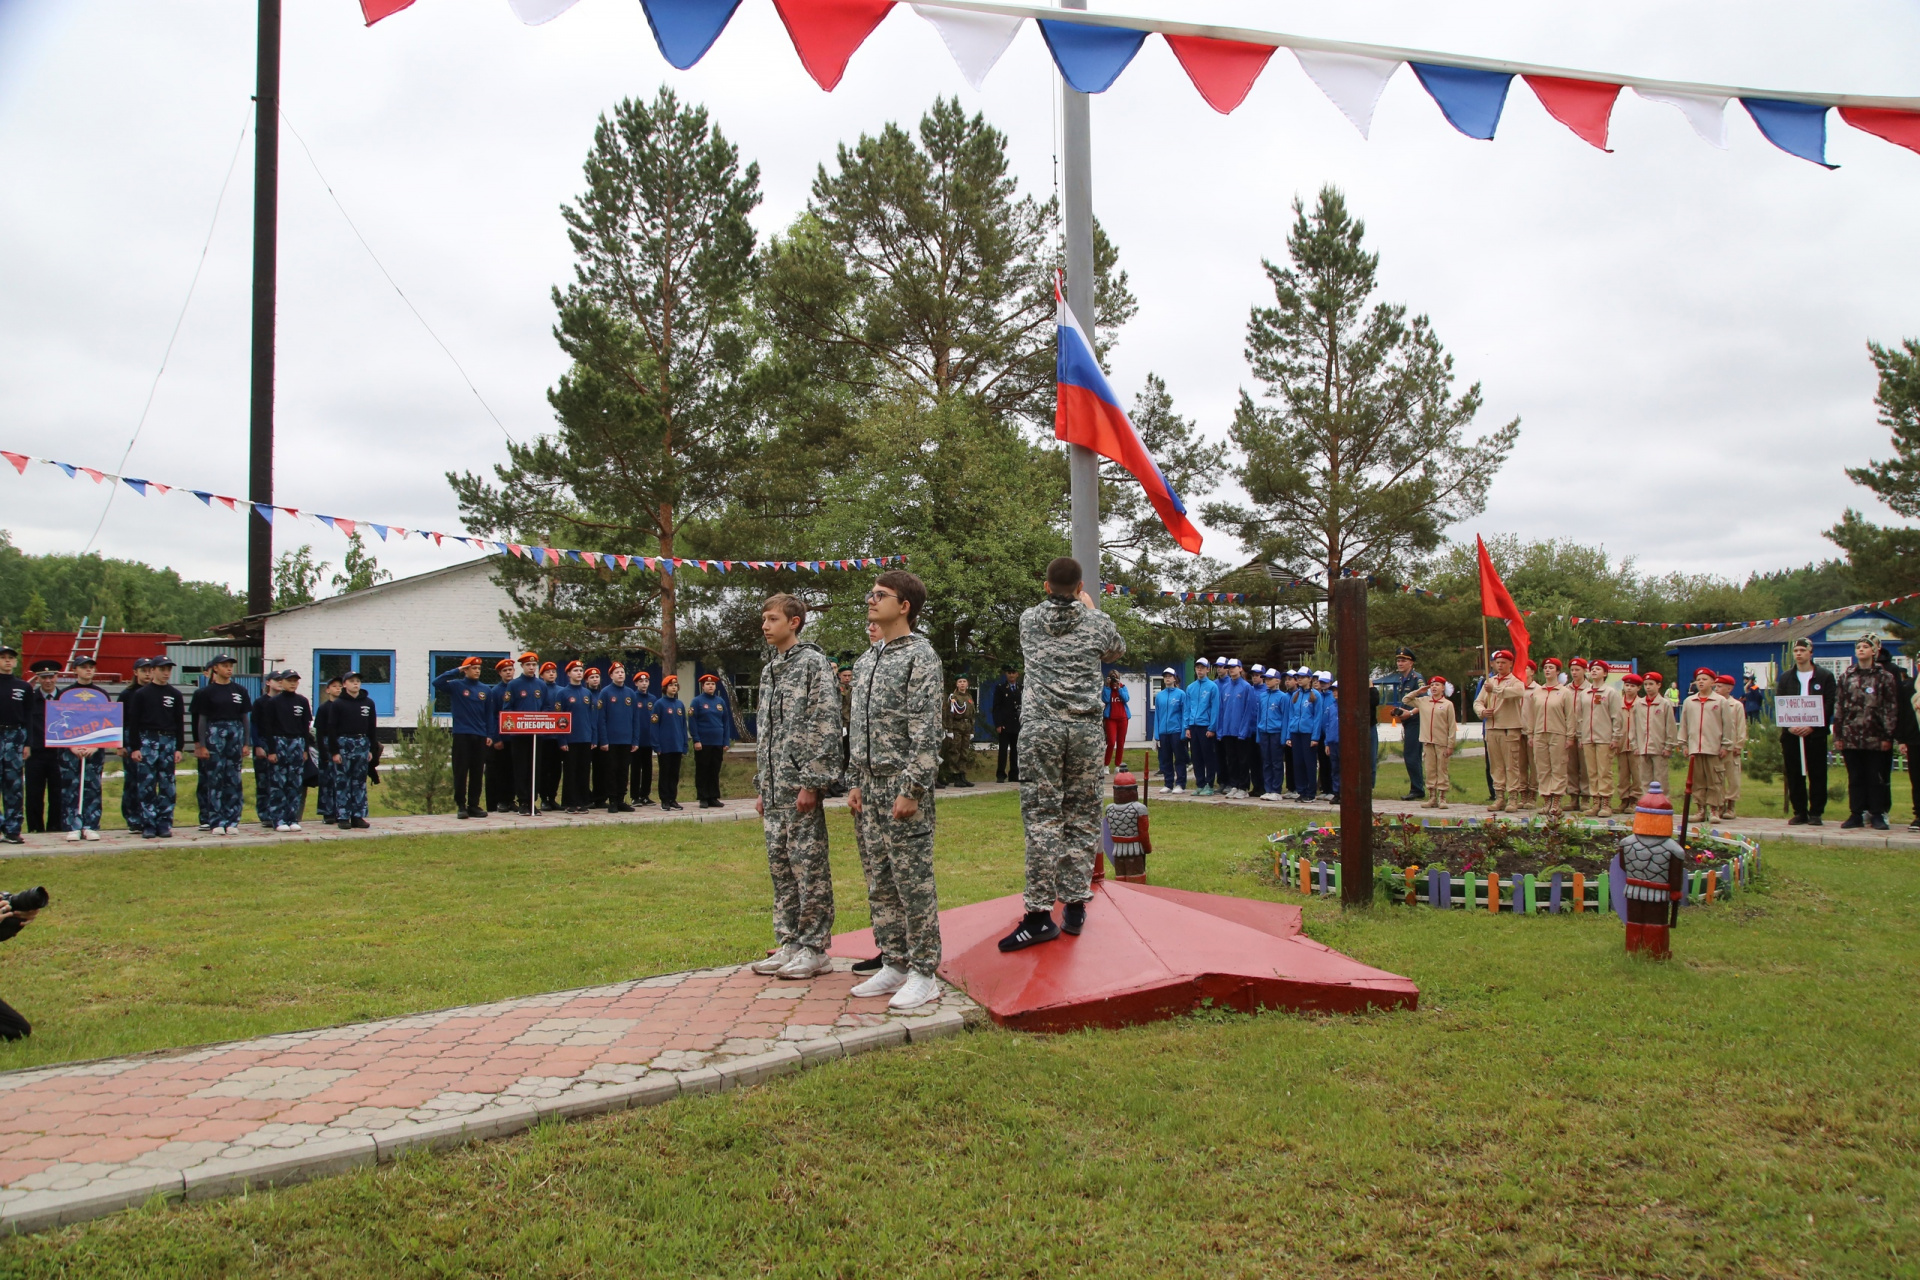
578,701
669,726
496,703
619,704
711,720
643,701
469,703
1237,709
525,693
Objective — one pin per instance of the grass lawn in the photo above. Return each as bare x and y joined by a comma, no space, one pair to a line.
1552,1109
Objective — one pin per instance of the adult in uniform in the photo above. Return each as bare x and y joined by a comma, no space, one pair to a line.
956,744
710,724
1501,705
469,696
1006,725
1063,641
157,729
81,772
1598,722
1866,720
1405,692
43,765
348,727
1803,752
220,710
17,700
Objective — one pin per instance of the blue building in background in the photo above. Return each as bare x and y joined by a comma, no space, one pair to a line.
1764,652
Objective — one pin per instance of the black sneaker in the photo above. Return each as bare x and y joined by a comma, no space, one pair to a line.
461,813
11,838
361,824
1879,822
1414,795
1074,918
344,824
1853,823
869,966
1035,927
1816,821
1796,821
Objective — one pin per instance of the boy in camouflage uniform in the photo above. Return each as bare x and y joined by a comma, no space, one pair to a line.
797,765
894,753
1063,640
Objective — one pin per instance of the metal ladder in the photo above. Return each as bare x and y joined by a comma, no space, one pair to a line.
86,643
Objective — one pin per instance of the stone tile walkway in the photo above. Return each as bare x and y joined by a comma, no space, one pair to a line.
87,1139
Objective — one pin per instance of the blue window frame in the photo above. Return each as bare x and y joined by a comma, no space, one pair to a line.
441,661
374,665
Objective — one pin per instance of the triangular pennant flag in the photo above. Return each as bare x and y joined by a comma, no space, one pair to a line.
507,549
138,486
436,539
573,556
1797,128
553,555
535,12
203,495
400,533
976,40
19,460
379,529
826,32
66,468
97,476
347,525
163,488
266,512
374,10
686,29
1352,83
233,504
1222,70
1090,58
1707,113
623,561
325,520
1584,106
1471,99
666,565
292,512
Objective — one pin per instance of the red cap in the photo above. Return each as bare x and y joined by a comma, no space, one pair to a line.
1703,671
1598,665
548,666
1652,677
593,671
1631,678
574,665
505,664
1553,662
1723,678
1504,653
529,656
1577,662
1436,679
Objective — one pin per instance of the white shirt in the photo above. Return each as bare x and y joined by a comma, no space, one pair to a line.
1806,681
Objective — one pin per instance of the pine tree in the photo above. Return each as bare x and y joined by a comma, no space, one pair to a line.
360,570
1882,560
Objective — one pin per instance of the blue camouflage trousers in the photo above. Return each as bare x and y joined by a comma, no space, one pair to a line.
326,794
287,778
153,779
73,767
13,776
130,786
349,778
226,744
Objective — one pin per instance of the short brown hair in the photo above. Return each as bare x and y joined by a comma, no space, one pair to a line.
1064,574
791,605
912,591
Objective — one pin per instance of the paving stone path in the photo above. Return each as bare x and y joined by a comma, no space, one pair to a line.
87,1139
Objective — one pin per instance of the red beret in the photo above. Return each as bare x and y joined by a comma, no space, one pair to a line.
548,666
574,665
1703,671
1553,662
1598,665
1578,662
1504,653
1631,678
1724,679
1653,677
505,664
529,656
593,671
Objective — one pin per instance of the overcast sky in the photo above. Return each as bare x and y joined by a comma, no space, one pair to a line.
1682,330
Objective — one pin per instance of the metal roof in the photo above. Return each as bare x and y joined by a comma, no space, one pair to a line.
1778,633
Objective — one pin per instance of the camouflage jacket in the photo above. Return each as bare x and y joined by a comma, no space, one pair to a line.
895,727
1064,643
799,722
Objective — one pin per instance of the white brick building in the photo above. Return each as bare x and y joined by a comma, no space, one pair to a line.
398,635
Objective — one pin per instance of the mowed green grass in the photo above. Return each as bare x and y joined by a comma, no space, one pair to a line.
1553,1109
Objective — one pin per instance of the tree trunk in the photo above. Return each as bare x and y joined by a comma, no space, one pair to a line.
669,622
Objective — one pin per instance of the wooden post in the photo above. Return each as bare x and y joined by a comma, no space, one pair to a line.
1356,755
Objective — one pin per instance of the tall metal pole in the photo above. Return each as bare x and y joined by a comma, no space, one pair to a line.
1076,211
266,219
1356,742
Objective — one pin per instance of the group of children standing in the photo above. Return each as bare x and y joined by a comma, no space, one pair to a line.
1276,734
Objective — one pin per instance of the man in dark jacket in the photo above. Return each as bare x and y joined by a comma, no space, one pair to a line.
348,727
1006,725
469,695
1803,751
525,692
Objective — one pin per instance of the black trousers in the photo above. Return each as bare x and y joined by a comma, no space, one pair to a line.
577,760
499,779
520,747
44,811
12,1025
1256,767
640,775
469,768
553,762
1006,764
670,776
706,773
610,784
1806,792
1869,785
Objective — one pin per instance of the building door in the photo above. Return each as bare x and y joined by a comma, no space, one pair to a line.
374,665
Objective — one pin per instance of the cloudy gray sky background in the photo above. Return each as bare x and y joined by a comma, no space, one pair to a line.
1681,329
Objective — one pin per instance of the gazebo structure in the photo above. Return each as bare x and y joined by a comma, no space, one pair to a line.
1269,594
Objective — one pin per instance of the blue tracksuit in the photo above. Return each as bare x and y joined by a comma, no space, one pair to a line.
579,701
1170,727
1330,742
1235,729
643,718
525,693
1300,730
1203,705
1276,717
619,704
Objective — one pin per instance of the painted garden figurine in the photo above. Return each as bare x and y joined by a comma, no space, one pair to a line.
1654,865
1126,823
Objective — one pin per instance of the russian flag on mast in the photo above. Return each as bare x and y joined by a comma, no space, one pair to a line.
1087,413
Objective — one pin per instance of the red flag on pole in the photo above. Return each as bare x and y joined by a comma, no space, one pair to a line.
1496,603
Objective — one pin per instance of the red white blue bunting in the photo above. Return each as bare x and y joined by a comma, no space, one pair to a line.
1092,51
275,514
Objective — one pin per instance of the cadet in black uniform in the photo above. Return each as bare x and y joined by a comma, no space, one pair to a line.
292,725
260,728
17,699
129,784
43,769
220,711
157,729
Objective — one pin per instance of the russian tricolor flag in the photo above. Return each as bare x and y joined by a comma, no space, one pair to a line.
1088,414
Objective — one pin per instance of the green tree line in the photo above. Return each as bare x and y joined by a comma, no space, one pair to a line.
53,592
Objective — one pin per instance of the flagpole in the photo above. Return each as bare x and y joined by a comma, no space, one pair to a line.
266,218
1076,215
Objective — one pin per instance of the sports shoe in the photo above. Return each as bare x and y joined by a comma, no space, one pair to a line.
1853,823
919,989
89,834
206,826
294,826
806,963
359,824
1879,822
1035,927
284,826
1268,795
73,835
346,825
883,983
1166,791
868,966
1179,791
775,962
1074,918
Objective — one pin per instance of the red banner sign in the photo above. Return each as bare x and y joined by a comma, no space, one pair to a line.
536,722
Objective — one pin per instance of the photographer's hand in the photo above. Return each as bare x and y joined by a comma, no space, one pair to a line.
7,911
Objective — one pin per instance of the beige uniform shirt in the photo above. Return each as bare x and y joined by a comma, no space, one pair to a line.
1501,702
1556,711
1650,727
1703,724
1437,720
1597,717
1734,734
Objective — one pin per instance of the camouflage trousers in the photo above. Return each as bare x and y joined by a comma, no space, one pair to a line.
1060,776
955,752
73,767
350,777
325,796
286,781
130,788
802,878
226,743
13,777
898,860
153,783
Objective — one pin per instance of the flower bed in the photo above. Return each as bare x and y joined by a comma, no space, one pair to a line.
1529,867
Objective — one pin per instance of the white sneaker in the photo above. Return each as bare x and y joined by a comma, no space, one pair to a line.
73,835
1179,791
232,829
885,982
285,826
918,990
1268,795
89,834
1166,791
806,963
775,962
